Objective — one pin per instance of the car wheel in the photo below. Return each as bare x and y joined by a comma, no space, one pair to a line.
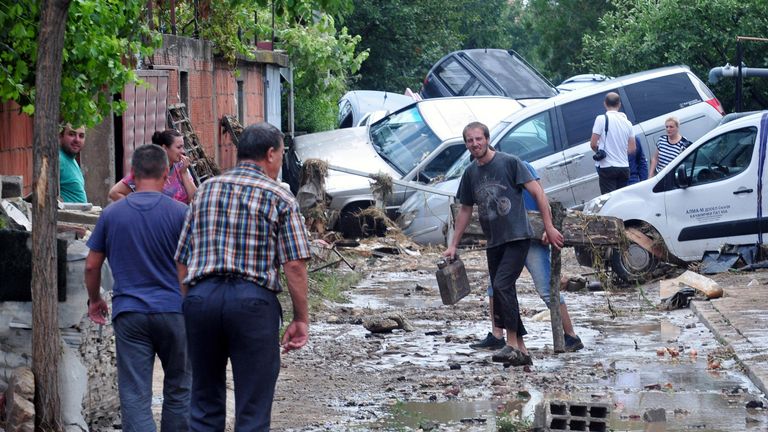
351,225
633,263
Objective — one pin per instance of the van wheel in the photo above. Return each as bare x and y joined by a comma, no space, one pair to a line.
353,226
633,264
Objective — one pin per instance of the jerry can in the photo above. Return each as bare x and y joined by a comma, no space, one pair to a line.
452,280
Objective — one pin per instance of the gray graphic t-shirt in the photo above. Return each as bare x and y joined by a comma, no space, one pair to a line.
497,189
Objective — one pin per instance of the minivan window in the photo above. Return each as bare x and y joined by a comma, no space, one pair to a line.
662,95
518,79
722,157
454,75
531,139
579,116
403,139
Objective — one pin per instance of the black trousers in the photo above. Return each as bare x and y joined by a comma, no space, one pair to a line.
612,178
505,262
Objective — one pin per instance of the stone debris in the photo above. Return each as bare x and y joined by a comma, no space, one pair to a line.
386,323
655,415
19,397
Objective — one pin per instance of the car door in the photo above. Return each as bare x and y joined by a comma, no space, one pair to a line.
578,117
720,204
533,139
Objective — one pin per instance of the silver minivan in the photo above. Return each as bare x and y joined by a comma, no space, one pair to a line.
553,135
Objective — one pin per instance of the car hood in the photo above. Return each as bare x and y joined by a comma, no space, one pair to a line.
345,148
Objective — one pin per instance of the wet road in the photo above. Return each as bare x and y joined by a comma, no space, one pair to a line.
620,365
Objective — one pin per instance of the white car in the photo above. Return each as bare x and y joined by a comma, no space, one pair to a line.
710,195
416,143
553,135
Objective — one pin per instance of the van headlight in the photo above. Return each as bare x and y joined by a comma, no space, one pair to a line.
406,219
594,206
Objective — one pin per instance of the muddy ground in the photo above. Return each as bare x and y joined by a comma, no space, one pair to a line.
347,378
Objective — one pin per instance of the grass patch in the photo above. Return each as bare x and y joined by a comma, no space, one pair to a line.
508,423
331,285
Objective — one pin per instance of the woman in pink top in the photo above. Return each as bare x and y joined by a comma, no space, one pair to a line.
179,185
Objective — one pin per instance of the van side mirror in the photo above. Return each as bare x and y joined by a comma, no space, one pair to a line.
681,177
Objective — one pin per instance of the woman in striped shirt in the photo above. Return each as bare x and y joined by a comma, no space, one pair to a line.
668,146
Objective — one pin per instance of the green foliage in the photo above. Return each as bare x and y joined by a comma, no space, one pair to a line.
323,57
552,40
406,38
643,34
102,39
323,60
507,423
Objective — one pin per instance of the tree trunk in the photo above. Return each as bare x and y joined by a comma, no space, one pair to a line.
558,339
46,340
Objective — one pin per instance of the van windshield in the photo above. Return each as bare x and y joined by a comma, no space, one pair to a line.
403,139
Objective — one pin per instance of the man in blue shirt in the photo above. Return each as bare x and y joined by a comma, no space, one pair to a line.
139,235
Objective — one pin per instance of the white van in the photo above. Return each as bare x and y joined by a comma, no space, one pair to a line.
710,195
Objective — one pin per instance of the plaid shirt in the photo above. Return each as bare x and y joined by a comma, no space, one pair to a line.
245,223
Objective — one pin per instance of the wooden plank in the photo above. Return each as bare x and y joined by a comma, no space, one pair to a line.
578,228
161,104
129,133
150,110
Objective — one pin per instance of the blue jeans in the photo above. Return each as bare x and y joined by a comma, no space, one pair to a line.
138,337
230,318
538,264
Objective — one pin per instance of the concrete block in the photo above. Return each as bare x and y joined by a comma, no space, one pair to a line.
571,416
11,186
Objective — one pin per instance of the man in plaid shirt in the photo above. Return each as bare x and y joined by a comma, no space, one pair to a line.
241,227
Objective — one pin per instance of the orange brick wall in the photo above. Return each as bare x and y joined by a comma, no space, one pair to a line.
16,138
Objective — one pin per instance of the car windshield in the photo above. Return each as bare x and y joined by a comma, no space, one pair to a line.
403,139
458,167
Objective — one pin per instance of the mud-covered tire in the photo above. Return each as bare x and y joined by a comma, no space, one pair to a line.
352,226
633,264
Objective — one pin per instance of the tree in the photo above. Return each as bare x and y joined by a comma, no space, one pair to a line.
103,38
323,56
406,38
556,29
46,346
643,34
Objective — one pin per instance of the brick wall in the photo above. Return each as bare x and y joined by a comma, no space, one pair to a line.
16,137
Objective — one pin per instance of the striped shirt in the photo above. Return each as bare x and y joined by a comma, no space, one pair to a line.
667,152
245,223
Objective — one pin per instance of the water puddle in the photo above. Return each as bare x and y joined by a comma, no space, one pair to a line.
703,412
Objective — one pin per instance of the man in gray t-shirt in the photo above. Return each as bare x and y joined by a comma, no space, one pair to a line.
495,182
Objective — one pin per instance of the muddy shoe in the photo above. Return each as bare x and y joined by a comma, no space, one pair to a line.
573,344
509,355
526,360
490,342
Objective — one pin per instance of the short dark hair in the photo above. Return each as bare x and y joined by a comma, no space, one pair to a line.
256,140
476,125
149,161
165,138
612,99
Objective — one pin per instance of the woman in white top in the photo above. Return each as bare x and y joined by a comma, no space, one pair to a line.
668,146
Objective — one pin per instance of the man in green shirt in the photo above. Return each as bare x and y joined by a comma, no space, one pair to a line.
71,181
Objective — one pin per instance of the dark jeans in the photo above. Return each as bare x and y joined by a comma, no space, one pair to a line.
138,337
612,178
230,318
505,262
